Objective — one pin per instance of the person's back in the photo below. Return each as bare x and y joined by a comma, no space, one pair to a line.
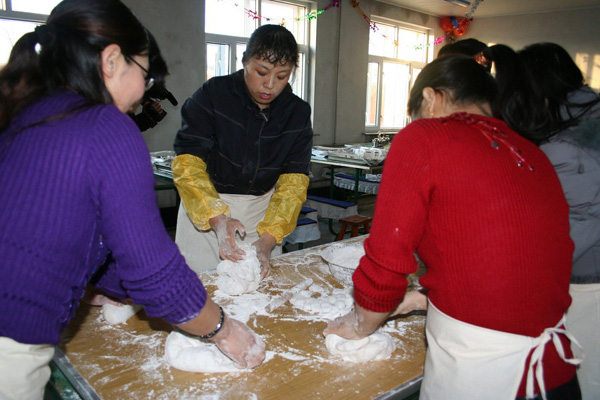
488,233
571,140
546,100
575,153
79,185
65,189
483,209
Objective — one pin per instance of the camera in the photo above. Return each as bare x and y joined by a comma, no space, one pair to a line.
152,112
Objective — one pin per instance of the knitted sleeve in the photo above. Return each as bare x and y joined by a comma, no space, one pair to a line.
398,223
147,262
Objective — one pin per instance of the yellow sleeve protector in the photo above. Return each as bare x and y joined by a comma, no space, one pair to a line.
285,205
199,196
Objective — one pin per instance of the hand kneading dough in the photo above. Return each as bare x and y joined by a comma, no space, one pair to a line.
117,315
377,346
192,355
241,277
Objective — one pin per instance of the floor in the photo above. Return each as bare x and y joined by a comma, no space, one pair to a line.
366,207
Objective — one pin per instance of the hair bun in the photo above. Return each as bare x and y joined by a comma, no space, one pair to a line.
43,34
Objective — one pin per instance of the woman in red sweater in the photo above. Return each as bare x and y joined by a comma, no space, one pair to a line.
484,210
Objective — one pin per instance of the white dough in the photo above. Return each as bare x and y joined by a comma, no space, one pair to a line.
347,255
377,346
188,354
241,277
339,303
119,314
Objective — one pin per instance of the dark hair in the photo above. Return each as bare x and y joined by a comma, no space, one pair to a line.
554,75
534,84
273,43
70,56
468,47
158,70
462,79
519,103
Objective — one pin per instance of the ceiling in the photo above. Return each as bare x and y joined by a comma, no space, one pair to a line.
493,8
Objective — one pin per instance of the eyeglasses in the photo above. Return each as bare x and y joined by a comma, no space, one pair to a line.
148,79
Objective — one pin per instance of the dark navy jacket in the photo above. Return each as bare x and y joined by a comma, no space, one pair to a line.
245,148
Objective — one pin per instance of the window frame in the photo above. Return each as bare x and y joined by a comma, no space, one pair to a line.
304,49
6,12
412,66
8,15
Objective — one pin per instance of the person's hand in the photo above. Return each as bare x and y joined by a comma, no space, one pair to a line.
156,106
240,343
413,301
263,247
357,324
225,228
344,326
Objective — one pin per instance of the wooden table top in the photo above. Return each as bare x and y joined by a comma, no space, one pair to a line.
126,361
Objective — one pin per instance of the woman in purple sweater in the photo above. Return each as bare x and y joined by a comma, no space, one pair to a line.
78,195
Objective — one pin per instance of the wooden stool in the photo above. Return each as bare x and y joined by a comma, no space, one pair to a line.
355,221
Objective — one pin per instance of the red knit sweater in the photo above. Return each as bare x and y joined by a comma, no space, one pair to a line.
485,211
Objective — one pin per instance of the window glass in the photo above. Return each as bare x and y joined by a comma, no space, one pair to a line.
240,48
217,59
397,53
34,6
297,79
411,45
10,32
223,35
394,95
286,14
381,43
415,73
228,18
372,77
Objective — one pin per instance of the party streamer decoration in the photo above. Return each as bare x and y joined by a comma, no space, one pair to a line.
310,16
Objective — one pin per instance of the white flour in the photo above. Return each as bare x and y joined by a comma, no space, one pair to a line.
149,361
347,256
339,303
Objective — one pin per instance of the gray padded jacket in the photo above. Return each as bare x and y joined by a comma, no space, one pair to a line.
575,154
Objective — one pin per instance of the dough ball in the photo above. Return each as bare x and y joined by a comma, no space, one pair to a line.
188,354
119,314
377,346
241,277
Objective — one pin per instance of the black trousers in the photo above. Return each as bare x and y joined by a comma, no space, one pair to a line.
568,391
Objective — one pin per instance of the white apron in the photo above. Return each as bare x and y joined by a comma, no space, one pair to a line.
24,369
201,249
465,361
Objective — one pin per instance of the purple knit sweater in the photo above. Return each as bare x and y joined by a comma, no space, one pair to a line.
73,188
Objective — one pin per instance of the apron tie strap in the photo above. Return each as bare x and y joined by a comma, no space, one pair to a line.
538,353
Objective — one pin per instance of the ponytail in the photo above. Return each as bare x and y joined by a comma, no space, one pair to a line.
65,54
20,80
519,103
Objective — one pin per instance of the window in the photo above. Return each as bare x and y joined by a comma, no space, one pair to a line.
229,25
18,17
397,53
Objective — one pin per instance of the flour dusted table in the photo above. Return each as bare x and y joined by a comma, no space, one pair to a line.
126,361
